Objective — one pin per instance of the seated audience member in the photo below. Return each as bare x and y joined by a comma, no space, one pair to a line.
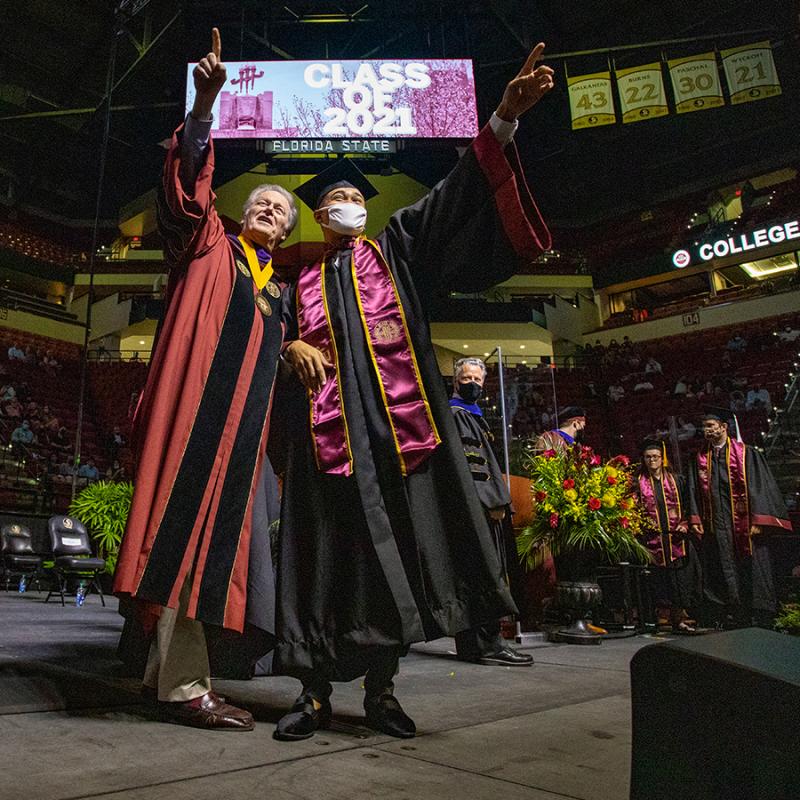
681,387
114,443
48,361
616,392
89,471
116,472
24,392
726,361
50,422
737,343
13,409
66,469
21,435
707,391
61,440
7,392
643,386
737,401
15,353
30,356
652,367
686,429
758,398
788,334
32,410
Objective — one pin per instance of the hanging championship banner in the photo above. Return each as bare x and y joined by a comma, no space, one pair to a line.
591,102
641,92
695,82
751,74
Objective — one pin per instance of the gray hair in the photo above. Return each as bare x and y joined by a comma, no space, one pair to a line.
273,187
470,361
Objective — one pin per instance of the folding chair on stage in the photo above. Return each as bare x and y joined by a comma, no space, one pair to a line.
72,555
19,559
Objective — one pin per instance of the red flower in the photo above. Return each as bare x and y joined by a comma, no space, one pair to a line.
549,453
541,496
594,503
586,449
625,522
625,504
611,480
595,461
554,520
624,460
569,483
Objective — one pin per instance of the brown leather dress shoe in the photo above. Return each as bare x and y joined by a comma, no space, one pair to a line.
208,711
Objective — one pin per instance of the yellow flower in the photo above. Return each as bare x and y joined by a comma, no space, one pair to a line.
571,494
608,500
612,471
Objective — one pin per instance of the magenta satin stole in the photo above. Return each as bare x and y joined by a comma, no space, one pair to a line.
740,502
393,359
647,491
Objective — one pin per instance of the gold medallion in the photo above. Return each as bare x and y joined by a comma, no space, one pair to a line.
273,289
263,305
242,267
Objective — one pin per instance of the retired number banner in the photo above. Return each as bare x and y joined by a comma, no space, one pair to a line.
641,92
591,101
695,82
751,74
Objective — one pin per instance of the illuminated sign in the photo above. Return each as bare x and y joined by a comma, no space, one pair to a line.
741,243
329,146
431,98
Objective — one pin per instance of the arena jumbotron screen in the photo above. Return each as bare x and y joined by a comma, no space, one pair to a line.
433,98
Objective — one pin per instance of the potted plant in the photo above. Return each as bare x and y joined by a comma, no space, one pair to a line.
103,508
586,513
788,619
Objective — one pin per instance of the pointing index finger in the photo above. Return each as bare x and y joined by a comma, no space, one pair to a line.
536,55
216,43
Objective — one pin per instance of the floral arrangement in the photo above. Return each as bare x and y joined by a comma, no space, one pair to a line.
582,503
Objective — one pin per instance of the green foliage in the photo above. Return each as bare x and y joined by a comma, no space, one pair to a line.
103,508
788,619
581,503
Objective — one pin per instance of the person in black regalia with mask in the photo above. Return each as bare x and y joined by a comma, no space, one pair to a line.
483,644
383,541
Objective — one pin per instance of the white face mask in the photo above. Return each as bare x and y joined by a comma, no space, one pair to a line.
349,219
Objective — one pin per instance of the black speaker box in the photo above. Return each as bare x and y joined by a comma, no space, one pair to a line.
717,717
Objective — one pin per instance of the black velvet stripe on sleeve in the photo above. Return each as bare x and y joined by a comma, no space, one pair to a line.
187,493
235,490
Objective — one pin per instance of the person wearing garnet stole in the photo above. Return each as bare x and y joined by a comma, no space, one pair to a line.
559,440
196,548
734,506
675,564
383,541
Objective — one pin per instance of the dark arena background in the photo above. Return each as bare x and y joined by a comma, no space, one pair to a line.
665,162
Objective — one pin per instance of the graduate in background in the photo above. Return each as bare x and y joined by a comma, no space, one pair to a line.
572,423
675,562
382,539
483,644
734,505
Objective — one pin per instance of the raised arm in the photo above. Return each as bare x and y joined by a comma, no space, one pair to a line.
186,216
480,222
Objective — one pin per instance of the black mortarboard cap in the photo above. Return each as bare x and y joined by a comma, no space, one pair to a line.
342,173
718,413
652,444
570,412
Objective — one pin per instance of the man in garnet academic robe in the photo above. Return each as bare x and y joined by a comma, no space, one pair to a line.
734,506
383,540
196,548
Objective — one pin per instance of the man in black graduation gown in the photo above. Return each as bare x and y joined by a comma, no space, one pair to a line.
734,504
483,644
382,540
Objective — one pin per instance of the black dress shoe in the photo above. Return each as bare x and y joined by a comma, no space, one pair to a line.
209,712
385,714
303,720
507,657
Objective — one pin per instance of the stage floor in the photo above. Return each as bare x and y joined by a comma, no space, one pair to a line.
72,726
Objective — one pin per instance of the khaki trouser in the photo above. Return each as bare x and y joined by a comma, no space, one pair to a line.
178,661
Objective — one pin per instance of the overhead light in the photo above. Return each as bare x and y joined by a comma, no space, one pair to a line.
142,341
466,347
522,347
523,361
486,355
